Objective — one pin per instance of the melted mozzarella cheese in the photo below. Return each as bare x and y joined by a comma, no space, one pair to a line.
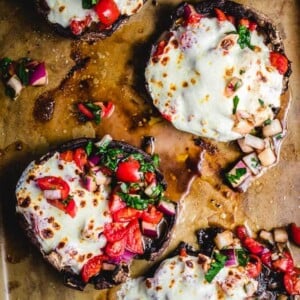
183,278
74,239
64,11
188,81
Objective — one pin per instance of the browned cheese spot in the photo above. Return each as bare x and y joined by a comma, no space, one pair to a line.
158,288
61,8
81,258
173,87
61,245
165,75
36,207
189,263
193,81
50,219
148,283
185,84
89,255
175,44
60,167
24,202
95,202
31,177
56,226
165,60
82,203
47,233
172,283
229,72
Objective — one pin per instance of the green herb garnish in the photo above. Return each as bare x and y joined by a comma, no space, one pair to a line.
4,64
242,256
268,122
23,73
156,160
244,39
89,148
255,162
278,136
233,178
135,201
216,266
96,111
261,102
236,100
242,71
110,157
87,4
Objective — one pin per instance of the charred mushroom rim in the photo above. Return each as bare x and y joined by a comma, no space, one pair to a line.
92,206
88,20
230,265
244,65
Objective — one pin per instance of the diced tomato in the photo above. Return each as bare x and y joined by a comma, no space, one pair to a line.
107,108
85,111
150,177
107,11
160,48
231,19
266,258
167,117
115,203
190,15
66,156
241,232
152,215
126,214
54,183
116,249
80,158
284,263
291,282
254,266
67,206
253,246
295,233
220,15
115,231
244,22
182,252
279,61
77,26
128,171
134,238
92,267
252,26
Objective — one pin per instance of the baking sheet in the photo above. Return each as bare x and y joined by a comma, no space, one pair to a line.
114,71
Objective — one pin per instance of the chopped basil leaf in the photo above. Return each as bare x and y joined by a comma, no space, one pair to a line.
136,201
237,85
233,178
157,191
242,71
87,4
96,110
23,73
261,102
89,148
156,160
4,64
144,166
244,39
110,157
236,100
216,266
242,256
278,136
267,122
255,162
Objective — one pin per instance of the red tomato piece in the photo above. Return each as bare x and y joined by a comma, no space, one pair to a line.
54,183
279,61
77,26
254,266
126,214
107,11
115,231
107,108
190,15
295,233
167,117
291,282
182,252
68,208
241,232
115,203
116,249
80,158
134,240
92,267
85,111
252,26
128,171
220,15
266,258
152,215
160,48
253,246
231,19
66,156
244,22
284,263
150,177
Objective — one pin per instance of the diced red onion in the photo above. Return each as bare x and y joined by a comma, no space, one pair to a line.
89,183
94,160
167,208
245,148
272,129
252,162
108,266
150,230
232,259
15,83
39,76
52,194
254,142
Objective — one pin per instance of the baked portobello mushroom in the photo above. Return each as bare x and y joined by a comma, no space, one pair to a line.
87,19
221,72
92,206
228,265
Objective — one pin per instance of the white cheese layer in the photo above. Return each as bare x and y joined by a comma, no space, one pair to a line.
64,11
183,278
76,239
188,81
